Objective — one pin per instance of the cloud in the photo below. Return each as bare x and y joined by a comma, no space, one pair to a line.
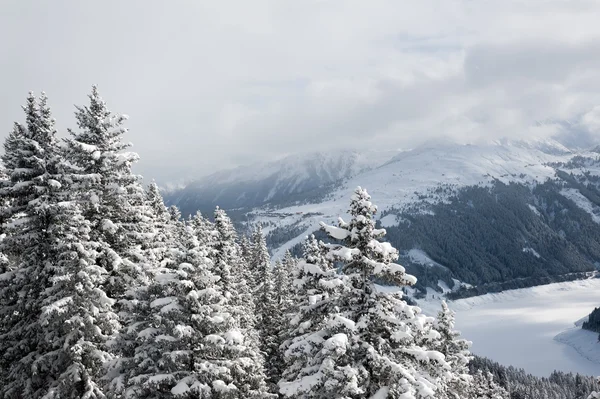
209,85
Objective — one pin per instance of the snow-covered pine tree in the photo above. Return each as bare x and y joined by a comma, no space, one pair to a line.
282,286
157,347
288,265
231,269
259,258
57,317
175,213
163,236
267,309
77,317
316,286
33,160
204,230
225,251
370,344
246,250
283,273
278,319
456,352
484,387
112,197
190,345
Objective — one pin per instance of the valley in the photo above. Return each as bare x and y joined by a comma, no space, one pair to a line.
522,327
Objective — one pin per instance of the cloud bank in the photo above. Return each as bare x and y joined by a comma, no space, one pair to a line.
210,85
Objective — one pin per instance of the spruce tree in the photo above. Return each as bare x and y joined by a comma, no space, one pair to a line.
111,195
283,296
203,229
231,269
56,318
316,285
162,236
246,249
484,387
157,347
189,343
30,194
267,309
370,346
456,352
77,318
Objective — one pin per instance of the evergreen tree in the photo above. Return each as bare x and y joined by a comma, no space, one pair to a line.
56,318
203,229
175,213
316,286
163,236
246,250
370,343
267,310
231,269
30,195
190,344
157,347
111,195
77,317
456,352
286,277
484,387
283,272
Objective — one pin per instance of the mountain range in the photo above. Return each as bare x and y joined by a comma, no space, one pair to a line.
466,218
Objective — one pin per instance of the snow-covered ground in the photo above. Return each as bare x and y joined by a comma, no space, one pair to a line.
533,328
582,202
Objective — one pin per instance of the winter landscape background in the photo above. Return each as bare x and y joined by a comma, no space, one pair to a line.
319,200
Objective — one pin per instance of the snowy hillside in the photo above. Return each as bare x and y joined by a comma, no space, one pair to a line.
321,180
300,177
409,175
430,174
438,194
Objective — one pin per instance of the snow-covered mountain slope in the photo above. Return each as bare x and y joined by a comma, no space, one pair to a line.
294,178
431,173
514,213
410,175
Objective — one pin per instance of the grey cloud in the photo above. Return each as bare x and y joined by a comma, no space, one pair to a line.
217,84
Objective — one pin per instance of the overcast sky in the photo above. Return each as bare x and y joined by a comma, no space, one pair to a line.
214,84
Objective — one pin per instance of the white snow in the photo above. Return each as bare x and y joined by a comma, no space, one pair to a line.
585,342
180,388
444,287
534,209
389,220
382,393
335,232
419,257
338,341
518,327
582,202
531,251
234,336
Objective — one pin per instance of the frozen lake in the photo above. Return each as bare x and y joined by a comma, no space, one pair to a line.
518,327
